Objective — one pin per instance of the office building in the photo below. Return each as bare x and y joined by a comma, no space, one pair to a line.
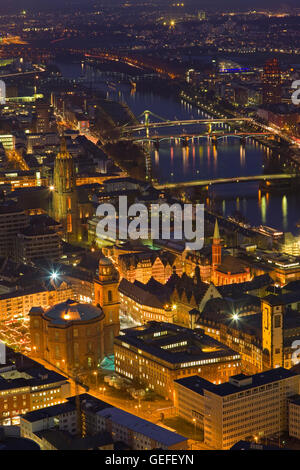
245,407
272,82
12,220
156,354
38,242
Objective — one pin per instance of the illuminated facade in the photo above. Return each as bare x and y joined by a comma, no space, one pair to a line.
245,407
37,243
226,269
264,340
18,304
97,417
144,266
272,82
156,354
170,302
65,198
69,335
139,304
106,295
26,386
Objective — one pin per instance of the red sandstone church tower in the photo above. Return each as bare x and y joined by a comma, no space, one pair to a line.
216,248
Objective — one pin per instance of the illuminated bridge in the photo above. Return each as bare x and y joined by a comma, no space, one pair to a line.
235,179
190,137
184,122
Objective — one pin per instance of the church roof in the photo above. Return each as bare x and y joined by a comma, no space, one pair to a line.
216,230
72,311
233,265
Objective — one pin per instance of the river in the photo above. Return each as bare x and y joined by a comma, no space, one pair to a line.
202,161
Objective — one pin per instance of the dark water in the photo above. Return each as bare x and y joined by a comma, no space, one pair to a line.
200,160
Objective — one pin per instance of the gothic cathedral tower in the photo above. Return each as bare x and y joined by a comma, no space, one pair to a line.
107,296
272,330
65,198
216,253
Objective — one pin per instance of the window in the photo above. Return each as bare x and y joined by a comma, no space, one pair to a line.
109,295
76,351
277,321
57,351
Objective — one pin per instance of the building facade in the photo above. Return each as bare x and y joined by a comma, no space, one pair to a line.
65,197
156,354
26,386
246,407
107,296
69,335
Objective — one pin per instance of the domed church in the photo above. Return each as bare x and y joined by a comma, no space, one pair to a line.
69,335
73,335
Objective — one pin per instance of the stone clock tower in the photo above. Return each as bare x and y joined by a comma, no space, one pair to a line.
272,329
107,296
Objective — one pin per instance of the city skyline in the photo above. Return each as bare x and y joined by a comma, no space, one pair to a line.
149,228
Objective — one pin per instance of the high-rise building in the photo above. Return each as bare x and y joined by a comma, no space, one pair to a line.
42,116
39,242
12,220
272,82
65,197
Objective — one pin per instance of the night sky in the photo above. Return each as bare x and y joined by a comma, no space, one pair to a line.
38,5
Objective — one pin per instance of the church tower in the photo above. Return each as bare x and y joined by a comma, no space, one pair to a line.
272,330
216,247
107,296
65,198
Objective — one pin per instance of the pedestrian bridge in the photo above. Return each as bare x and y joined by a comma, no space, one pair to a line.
235,179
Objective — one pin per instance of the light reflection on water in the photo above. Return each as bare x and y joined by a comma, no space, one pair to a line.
201,160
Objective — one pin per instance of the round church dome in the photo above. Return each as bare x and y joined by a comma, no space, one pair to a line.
72,311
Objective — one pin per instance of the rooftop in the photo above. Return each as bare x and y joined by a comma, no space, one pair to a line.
236,383
175,344
72,311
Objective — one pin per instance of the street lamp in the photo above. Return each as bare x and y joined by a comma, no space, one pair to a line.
96,375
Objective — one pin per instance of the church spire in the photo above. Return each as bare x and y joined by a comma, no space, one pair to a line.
216,231
63,153
216,247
